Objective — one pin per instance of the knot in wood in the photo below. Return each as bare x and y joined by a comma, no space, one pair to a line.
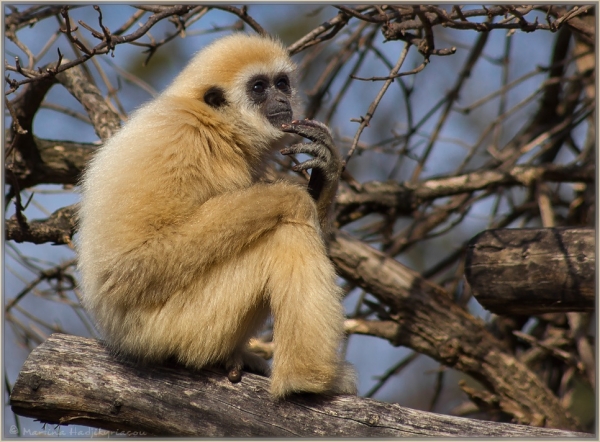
116,406
35,381
449,351
372,420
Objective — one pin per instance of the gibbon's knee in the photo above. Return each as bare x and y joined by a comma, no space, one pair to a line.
182,245
294,204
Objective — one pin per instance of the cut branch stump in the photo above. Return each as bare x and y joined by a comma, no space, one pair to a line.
533,271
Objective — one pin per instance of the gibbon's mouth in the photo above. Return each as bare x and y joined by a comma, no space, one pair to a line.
278,118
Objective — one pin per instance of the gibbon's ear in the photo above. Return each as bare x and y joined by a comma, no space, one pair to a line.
215,97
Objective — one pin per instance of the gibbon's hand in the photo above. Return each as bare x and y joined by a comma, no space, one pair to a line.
326,162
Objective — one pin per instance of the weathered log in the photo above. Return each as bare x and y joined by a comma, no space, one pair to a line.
74,380
533,271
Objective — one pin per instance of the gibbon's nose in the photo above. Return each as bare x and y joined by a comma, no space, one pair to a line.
279,110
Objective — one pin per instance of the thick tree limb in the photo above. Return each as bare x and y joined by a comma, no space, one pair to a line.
533,271
432,324
403,198
74,380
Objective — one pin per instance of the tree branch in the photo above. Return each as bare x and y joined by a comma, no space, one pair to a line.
105,121
406,197
433,324
73,380
58,228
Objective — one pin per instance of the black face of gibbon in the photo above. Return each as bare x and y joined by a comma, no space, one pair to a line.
273,97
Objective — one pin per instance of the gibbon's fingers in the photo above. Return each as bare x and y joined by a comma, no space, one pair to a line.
326,164
322,156
313,163
311,129
314,149
322,147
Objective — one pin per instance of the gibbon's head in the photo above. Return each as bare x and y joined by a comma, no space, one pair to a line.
246,79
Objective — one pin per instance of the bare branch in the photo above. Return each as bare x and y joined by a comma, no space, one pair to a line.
59,228
404,198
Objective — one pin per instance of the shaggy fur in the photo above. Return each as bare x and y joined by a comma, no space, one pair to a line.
184,253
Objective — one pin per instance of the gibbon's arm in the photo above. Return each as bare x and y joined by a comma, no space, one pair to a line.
326,164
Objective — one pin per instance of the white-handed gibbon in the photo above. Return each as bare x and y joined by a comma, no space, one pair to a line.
184,250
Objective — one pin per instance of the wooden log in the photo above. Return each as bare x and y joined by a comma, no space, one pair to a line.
74,380
533,271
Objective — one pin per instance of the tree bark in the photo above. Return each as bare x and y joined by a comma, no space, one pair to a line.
74,380
533,271
58,228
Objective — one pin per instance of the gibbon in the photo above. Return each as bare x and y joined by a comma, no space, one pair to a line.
184,249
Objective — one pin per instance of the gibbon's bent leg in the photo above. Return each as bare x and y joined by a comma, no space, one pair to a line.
326,164
307,312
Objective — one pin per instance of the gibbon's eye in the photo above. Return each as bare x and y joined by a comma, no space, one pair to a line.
259,87
215,97
283,84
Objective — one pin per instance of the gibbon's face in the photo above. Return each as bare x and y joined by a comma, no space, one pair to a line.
272,94
247,79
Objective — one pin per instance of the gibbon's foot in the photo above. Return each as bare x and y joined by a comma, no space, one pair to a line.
245,360
326,157
234,375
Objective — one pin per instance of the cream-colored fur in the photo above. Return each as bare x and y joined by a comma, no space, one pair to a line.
184,254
